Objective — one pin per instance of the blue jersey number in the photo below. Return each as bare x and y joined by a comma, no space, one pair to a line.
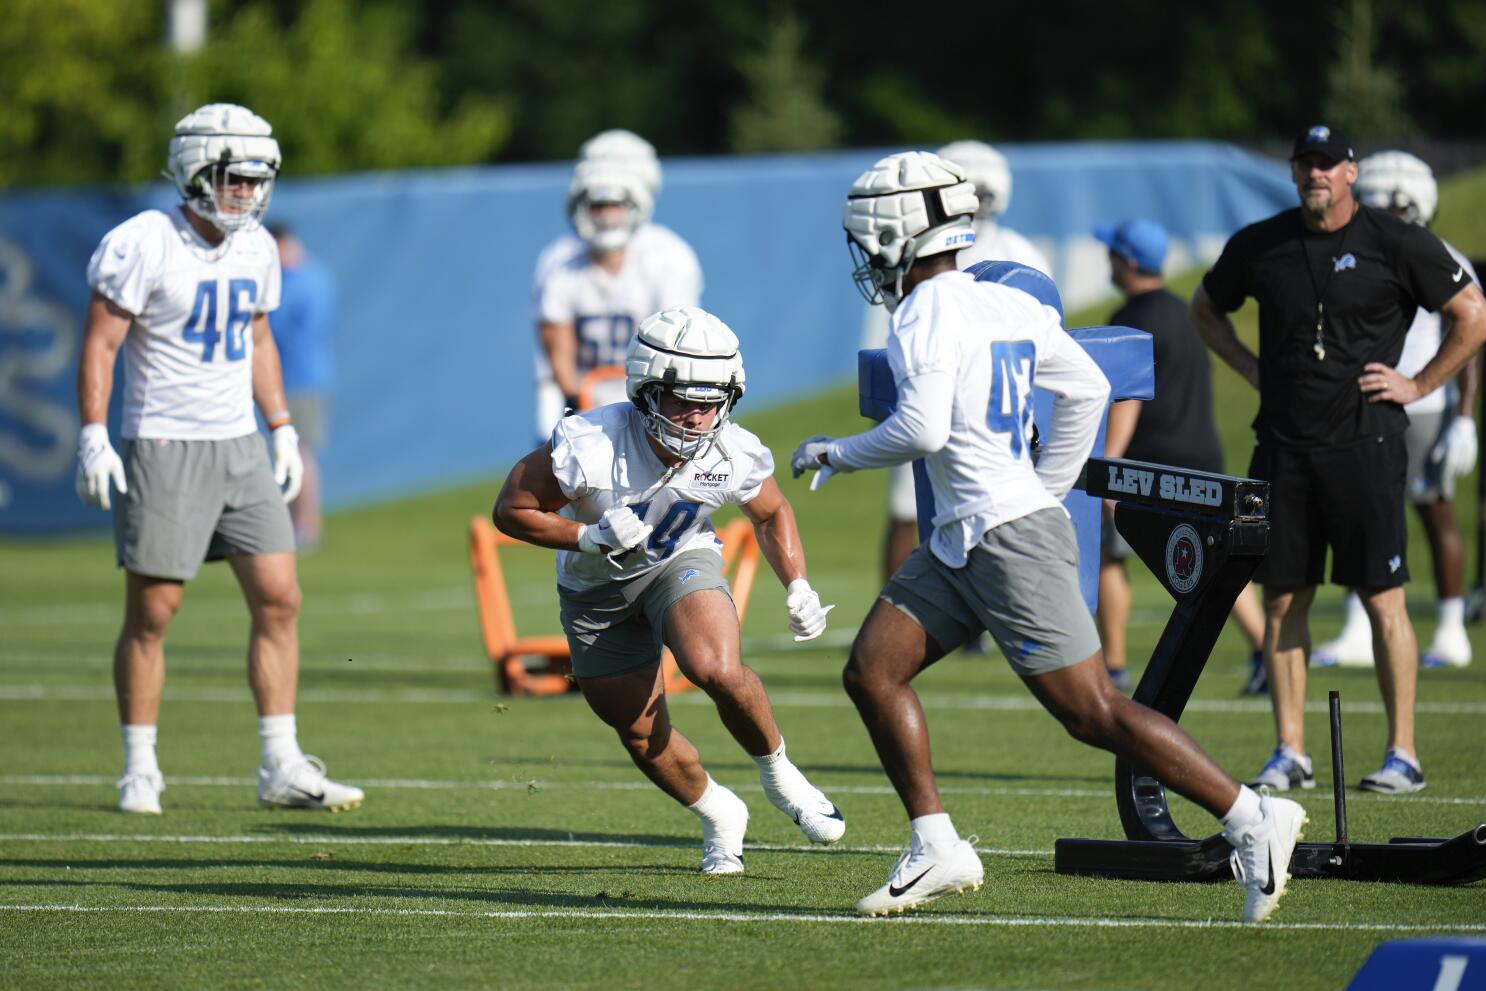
602,339
201,327
668,531
1012,365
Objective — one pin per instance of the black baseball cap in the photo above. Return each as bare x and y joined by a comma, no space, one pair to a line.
1321,139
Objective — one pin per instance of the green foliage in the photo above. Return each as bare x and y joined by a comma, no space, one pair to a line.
1365,94
784,110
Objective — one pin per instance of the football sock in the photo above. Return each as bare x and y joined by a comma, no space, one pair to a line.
1452,613
719,809
1245,813
778,775
934,828
280,739
139,749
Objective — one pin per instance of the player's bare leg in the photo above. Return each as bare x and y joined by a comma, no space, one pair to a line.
899,541
287,777
139,654
304,512
1287,648
702,631
139,679
1113,613
1446,549
634,704
889,652
271,588
1093,711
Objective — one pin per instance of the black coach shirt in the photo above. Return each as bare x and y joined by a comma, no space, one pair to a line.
1372,275
1176,427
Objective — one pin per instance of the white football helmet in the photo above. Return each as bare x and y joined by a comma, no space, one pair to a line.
626,149
987,168
217,141
599,183
1396,180
689,353
906,207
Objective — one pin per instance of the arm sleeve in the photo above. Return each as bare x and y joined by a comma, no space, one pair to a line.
1065,369
125,266
1224,282
919,426
1427,268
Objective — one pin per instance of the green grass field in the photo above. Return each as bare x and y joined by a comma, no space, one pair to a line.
510,843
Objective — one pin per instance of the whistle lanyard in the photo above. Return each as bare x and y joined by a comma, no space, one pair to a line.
1320,289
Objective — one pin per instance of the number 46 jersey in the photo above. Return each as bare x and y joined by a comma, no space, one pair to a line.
188,358
603,459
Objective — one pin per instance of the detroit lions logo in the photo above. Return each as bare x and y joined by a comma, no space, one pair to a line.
1346,261
1319,133
1183,559
688,575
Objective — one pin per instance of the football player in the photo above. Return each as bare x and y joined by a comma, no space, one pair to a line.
186,294
594,285
625,494
1441,438
987,169
966,356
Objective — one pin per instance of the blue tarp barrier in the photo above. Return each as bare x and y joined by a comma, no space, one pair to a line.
434,346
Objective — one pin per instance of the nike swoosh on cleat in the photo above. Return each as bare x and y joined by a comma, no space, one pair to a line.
1268,889
835,813
896,892
309,794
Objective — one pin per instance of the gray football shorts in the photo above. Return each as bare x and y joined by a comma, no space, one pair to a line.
1020,584
617,627
1426,483
191,501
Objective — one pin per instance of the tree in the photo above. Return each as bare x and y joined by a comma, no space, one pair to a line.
784,109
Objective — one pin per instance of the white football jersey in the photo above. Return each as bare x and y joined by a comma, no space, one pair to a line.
994,343
1423,342
603,459
660,271
188,357
996,243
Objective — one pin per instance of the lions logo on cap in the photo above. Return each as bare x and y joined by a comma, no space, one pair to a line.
1320,133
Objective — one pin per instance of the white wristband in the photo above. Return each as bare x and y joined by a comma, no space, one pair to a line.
586,543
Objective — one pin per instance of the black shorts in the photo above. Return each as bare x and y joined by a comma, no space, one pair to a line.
1348,497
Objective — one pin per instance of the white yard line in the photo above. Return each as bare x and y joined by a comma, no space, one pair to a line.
644,915
540,784
1020,702
417,839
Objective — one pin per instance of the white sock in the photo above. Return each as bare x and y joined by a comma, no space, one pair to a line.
139,749
280,739
778,774
1245,813
1452,613
934,828
1356,626
719,808
1404,754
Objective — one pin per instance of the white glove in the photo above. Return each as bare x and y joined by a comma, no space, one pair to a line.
619,531
807,458
807,617
98,464
288,466
1456,448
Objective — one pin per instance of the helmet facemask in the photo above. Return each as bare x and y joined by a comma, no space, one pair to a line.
606,225
215,194
683,441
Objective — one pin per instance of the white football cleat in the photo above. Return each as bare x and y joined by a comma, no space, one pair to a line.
1350,650
816,815
722,843
1261,855
300,783
924,872
139,793
1451,648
